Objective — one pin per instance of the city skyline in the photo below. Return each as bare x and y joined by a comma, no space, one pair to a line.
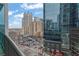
16,12
53,32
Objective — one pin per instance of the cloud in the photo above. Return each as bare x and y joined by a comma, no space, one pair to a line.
32,6
15,16
10,25
12,12
15,24
16,21
19,15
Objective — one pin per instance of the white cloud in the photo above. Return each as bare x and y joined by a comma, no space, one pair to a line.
31,6
10,25
19,15
12,12
15,24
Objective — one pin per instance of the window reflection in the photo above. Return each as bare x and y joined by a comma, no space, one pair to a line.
2,28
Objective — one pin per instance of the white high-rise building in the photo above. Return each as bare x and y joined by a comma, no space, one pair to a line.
27,24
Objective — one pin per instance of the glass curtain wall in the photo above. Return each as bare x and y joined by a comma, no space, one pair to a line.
2,27
51,26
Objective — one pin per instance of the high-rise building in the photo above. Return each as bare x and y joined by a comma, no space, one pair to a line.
55,26
27,24
52,37
74,34
38,27
58,23
74,41
68,18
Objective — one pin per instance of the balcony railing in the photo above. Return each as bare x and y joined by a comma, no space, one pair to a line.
9,47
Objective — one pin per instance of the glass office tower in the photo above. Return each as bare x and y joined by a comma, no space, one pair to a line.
2,27
68,18
64,24
51,28
74,33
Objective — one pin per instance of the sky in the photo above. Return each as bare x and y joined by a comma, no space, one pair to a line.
16,11
54,8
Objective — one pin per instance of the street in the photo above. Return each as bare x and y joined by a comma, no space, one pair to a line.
30,47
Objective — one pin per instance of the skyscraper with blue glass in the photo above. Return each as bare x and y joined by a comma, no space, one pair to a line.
51,35
68,20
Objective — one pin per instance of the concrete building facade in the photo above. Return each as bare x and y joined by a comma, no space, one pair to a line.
38,27
27,24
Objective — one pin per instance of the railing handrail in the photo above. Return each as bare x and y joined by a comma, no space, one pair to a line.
15,46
